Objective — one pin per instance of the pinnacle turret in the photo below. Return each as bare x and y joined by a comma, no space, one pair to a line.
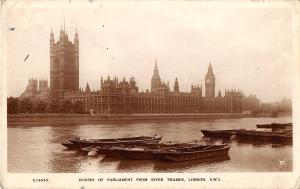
155,80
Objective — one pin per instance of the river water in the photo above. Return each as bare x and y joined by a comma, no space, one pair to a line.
37,149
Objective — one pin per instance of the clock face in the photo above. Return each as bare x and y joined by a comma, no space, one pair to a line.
208,81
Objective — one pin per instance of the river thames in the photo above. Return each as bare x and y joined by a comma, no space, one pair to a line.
37,149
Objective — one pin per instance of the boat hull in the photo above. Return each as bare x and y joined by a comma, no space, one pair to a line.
70,145
138,152
78,144
264,137
193,155
222,134
175,152
275,125
138,155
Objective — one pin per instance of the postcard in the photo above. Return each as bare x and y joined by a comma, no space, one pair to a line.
150,94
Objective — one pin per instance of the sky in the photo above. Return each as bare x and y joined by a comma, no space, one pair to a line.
250,49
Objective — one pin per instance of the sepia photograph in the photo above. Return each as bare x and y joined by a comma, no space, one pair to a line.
149,92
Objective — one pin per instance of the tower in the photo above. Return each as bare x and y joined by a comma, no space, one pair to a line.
219,94
32,86
64,64
43,85
76,61
201,90
176,86
210,83
155,80
87,88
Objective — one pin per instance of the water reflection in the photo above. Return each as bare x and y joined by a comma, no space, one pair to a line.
110,159
135,165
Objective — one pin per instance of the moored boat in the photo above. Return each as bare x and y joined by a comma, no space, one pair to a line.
188,154
69,145
78,143
275,125
266,136
223,134
175,152
139,151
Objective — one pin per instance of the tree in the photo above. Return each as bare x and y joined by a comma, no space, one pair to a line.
26,105
53,106
12,105
65,106
40,106
78,107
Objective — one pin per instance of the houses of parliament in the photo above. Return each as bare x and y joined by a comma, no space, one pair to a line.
123,96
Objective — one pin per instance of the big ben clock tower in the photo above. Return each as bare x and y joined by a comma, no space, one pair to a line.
210,83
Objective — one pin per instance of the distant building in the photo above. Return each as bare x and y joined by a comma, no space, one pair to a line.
36,89
124,97
285,105
251,103
64,64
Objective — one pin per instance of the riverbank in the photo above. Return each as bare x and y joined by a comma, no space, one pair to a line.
46,119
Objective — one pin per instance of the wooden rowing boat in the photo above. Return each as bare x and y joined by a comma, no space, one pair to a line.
175,152
275,125
222,134
129,141
200,152
139,151
266,136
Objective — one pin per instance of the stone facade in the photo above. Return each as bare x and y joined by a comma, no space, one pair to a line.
123,97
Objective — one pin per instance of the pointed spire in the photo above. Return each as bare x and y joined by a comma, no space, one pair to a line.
155,66
61,34
64,24
51,36
219,94
76,40
176,86
87,88
210,69
155,80
155,72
